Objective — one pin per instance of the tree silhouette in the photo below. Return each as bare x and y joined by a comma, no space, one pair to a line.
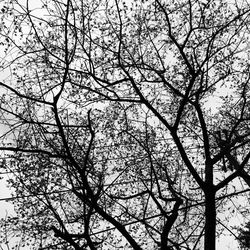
244,237
128,122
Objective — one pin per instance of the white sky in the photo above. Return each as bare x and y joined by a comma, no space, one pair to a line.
223,243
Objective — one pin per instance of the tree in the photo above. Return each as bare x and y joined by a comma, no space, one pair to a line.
243,238
113,138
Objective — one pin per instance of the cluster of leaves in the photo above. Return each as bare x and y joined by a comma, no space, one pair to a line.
113,140
244,236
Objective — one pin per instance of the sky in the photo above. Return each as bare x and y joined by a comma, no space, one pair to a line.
224,242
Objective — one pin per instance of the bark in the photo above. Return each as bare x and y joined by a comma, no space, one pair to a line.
210,220
66,236
169,224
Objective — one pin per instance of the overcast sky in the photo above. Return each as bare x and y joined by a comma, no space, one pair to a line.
224,243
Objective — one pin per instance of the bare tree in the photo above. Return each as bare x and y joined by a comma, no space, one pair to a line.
114,134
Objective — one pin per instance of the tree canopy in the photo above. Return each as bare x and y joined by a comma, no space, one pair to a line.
126,123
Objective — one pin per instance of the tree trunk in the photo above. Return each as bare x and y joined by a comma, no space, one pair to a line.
210,220
169,224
